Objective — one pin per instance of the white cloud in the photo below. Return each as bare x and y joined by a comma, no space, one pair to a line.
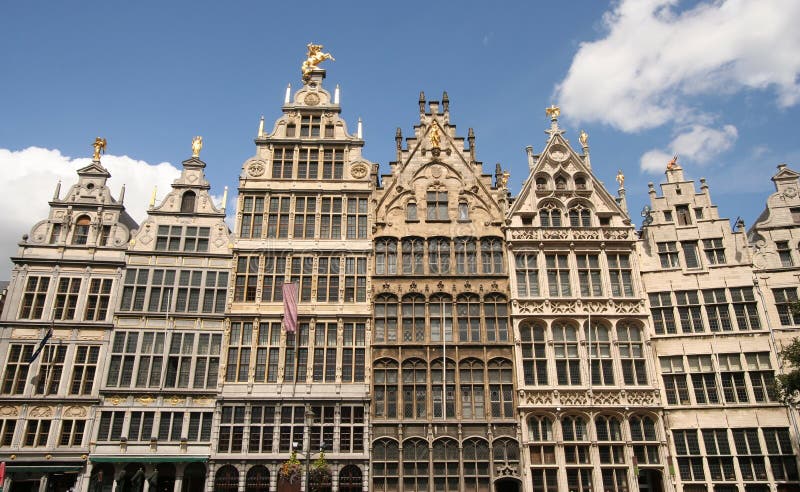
654,58
698,145
30,176
654,161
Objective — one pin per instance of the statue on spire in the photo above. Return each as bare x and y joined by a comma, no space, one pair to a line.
673,163
435,137
99,148
315,57
583,138
620,179
197,146
553,112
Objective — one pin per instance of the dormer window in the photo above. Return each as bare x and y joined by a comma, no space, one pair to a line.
411,211
463,211
291,130
55,233
580,183
437,205
683,215
187,202
561,183
550,216
81,234
309,126
580,217
541,183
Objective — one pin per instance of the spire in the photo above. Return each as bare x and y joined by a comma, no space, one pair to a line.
360,130
153,197
58,191
288,97
224,199
531,162
336,95
421,102
445,102
122,194
261,127
553,112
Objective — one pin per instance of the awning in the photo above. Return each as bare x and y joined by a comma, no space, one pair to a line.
12,467
148,459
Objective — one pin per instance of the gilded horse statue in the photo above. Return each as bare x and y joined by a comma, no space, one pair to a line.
314,58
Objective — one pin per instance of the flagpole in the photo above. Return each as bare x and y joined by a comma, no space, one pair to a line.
444,364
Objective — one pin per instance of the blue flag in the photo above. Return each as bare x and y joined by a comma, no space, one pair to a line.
38,350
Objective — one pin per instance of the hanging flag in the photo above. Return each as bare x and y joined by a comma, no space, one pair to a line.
290,307
38,350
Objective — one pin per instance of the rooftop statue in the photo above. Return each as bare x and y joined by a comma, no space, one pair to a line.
435,136
197,146
99,148
315,57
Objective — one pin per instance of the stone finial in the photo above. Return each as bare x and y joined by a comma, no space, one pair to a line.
529,152
445,102
360,129
261,127
288,97
336,95
398,138
421,102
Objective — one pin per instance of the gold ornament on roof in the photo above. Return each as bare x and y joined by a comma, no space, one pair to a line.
435,136
502,180
673,163
315,57
620,179
99,147
553,112
197,146
583,138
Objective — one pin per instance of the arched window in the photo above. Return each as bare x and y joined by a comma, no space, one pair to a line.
257,479
501,388
505,452
415,464
476,465
449,388
468,310
441,317
437,205
385,318
81,234
608,428
550,216
631,353
415,397
411,211
412,255
473,401
565,348
645,439
463,210
226,479
612,452
580,217
602,364
492,255
350,479
413,318
466,261
495,307
385,256
439,255
561,183
445,465
580,182
385,384
541,183
385,465
187,202
576,446
534,356
540,429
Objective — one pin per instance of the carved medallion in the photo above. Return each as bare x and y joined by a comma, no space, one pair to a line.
358,171
256,168
436,171
312,99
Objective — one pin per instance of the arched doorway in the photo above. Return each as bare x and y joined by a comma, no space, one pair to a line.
650,480
257,479
194,477
507,485
226,479
350,479
102,479
166,477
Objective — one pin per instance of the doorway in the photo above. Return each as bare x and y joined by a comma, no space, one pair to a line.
507,485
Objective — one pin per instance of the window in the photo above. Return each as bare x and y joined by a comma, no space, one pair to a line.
437,205
355,279
619,269
579,479
541,183
187,202
310,125
104,235
296,356
67,291
415,464
330,226
492,255
718,451
354,341
231,429
141,426
283,162
321,430
495,307
716,306
411,212
558,275
351,429
84,368
307,166
750,455
565,348
715,251
501,391
476,460
110,427
168,238
631,353
161,287
439,255
412,255
437,385
667,216
328,279
55,233
732,376
262,420
252,217
170,426
51,366
683,215
663,313
527,273
415,395
385,465
784,253
325,349
784,298
305,209
698,213
441,318
601,364
413,318
687,449
466,261
246,279
645,439
674,375
36,433
385,256
689,311
540,430
189,288
576,437
97,299
333,164
744,308
550,216
534,355
580,183
690,254
33,298
703,379
561,183
123,356
302,273
473,404
17,366
278,217
385,385
445,465
239,348
199,426
468,310
386,318
580,217
216,292
589,275
762,376
356,218
179,362
7,428
151,355
463,211
206,370
80,235
668,254
781,458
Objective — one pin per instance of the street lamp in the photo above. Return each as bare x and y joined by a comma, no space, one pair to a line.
309,420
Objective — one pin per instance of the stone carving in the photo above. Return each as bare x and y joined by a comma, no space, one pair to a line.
41,412
9,411
359,171
311,99
256,168
75,411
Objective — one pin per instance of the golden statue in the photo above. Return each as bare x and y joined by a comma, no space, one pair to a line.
99,148
583,138
315,57
553,112
502,180
674,162
435,136
197,146
620,179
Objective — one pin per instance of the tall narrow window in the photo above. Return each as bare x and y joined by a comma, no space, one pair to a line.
663,313
784,253
283,162
445,465
683,215
267,352
750,454
187,202
744,308
262,419
296,354
439,255
437,205
492,255
714,250
190,284
386,318
66,298
463,211
231,429
716,306
619,269
325,351
411,211
84,369
51,367
645,439
355,279
501,392
55,233
385,465
675,384
33,298
762,376
441,318
580,217
414,318
412,255
550,216
690,254
473,404
161,286
534,354
252,216
80,236
353,339
302,275
466,261
668,254
330,226
558,275
565,348
527,273
703,379
385,384
734,387
385,256
16,370
332,164
784,299
495,309
272,280
631,354
468,310
718,452
689,311
307,165
305,209
310,125
278,218
690,460
415,395
239,349
246,279
328,279
602,364
589,275
356,218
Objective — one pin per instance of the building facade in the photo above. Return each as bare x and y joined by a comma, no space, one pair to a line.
449,335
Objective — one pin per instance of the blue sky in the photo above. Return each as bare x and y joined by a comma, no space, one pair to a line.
714,82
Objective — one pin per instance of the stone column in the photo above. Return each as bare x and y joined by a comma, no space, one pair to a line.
43,483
